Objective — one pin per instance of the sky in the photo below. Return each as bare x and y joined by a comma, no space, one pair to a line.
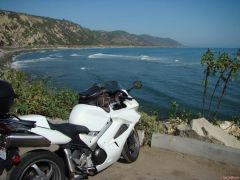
194,23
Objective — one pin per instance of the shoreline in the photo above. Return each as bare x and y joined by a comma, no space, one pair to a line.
7,54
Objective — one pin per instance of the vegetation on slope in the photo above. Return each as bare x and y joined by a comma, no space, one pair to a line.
22,30
34,97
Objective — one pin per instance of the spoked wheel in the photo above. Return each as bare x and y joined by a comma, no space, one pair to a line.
42,165
131,148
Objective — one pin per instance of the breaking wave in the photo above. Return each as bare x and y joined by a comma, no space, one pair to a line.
117,56
162,60
75,54
150,58
104,56
141,57
85,68
24,63
57,55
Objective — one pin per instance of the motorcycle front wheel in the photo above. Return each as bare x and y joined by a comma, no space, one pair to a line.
38,165
131,148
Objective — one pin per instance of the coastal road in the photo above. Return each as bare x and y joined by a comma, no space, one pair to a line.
159,164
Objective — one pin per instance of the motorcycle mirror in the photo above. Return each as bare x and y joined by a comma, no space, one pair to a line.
137,84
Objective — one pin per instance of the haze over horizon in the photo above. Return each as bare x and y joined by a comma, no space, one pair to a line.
202,23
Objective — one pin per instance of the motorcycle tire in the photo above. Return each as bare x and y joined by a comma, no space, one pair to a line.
38,165
131,148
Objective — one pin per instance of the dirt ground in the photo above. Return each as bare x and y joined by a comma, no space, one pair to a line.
159,164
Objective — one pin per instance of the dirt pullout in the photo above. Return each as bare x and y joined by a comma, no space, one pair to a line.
154,164
159,164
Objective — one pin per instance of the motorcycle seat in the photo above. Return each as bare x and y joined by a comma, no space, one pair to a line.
70,130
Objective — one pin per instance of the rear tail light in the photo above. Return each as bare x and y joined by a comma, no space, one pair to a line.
16,159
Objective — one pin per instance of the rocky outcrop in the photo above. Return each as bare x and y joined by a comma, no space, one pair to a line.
205,129
230,128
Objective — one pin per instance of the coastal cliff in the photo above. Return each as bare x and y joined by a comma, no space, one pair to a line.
23,30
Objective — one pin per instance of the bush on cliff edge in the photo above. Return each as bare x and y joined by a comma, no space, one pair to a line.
35,97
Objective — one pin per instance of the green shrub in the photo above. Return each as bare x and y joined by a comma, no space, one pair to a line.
176,112
35,97
236,120
149,124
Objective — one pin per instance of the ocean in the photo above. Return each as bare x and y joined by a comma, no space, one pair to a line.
167,74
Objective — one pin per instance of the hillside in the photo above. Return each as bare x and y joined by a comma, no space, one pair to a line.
22,30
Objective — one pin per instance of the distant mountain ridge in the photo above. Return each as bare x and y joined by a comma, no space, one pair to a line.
23,30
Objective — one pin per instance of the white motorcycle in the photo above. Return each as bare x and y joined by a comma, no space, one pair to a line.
99,132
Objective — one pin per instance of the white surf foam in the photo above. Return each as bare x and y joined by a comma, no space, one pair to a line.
75,54
41,59
119,56
17,65
103,56
85,68
150,58
163,60
24,63
14,58
144,57
56,55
